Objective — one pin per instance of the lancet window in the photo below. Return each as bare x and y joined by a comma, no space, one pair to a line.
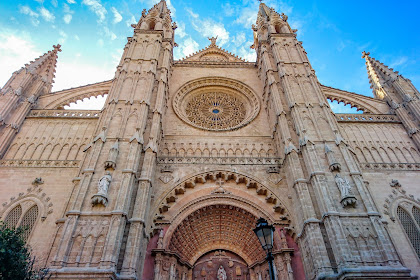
410,221
19,218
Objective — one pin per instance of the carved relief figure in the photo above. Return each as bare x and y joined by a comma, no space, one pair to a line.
221,274
101,197
347,197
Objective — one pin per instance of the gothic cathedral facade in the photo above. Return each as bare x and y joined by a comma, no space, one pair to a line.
168,179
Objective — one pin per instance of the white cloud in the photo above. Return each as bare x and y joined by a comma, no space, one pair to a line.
33,15
15,51
46,15
54,3
247,53
96,7
228,10
108,33
100,42
209,28
180,31
67,18
239,39
185,48
63,37
71,1
76,38
117,15
130,21
194,15
247,17
40,1
399,61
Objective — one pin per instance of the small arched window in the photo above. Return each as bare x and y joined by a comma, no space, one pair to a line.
28,219
411,225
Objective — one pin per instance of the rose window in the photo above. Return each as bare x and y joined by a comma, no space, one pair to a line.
215,110
216,104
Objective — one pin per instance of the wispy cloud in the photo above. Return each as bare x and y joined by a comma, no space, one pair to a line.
117,16
28,11
247,17
130,21
96,7
71,1
209,28
54,3
46,15
108,33
63,37
228,10
399,61
68,14
67,18
185,48
180,31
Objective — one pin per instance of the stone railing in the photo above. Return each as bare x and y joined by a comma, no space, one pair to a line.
75,114
390,166
220,160
387,118
39,163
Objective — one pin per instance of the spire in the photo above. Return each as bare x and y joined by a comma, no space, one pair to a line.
156,18
378,74
44,66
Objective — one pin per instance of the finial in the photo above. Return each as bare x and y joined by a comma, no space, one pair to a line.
213,41
57,47
364,54
260,1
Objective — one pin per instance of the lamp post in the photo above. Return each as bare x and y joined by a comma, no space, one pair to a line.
264,232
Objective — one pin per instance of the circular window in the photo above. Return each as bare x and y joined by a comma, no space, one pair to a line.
216,104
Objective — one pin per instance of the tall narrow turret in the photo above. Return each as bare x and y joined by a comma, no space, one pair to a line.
21,92
398,92
325,198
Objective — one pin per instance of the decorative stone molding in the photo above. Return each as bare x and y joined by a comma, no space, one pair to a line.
390,166
172,196
220,160
71,114
40,163
33,194
216,104
374,118
398,197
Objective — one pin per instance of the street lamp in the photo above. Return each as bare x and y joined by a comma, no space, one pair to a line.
264,232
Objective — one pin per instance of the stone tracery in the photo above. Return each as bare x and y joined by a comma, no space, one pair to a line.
216,104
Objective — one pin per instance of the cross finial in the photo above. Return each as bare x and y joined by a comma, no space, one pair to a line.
213,40
220,182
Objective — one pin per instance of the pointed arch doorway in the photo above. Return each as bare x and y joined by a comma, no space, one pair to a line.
216,242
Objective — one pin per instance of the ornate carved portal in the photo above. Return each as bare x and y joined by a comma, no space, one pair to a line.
216,242
219,264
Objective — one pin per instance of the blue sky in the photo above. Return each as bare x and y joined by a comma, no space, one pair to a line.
93,33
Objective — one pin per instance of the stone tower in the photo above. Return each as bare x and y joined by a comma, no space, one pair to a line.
169,178
19,95
113,186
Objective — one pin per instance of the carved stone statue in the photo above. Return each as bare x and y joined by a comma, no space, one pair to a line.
221,274
347,197
101,197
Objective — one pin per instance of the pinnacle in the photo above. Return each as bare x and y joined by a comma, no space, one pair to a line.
44,66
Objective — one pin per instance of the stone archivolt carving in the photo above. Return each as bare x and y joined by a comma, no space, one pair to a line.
398,197
190,183
34,195
216,104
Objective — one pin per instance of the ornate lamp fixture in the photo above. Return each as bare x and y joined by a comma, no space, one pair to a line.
264,232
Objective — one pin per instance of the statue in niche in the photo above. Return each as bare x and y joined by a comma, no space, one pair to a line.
347,197
221,274
101,197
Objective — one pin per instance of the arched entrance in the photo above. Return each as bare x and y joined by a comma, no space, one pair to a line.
220,263
217,240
